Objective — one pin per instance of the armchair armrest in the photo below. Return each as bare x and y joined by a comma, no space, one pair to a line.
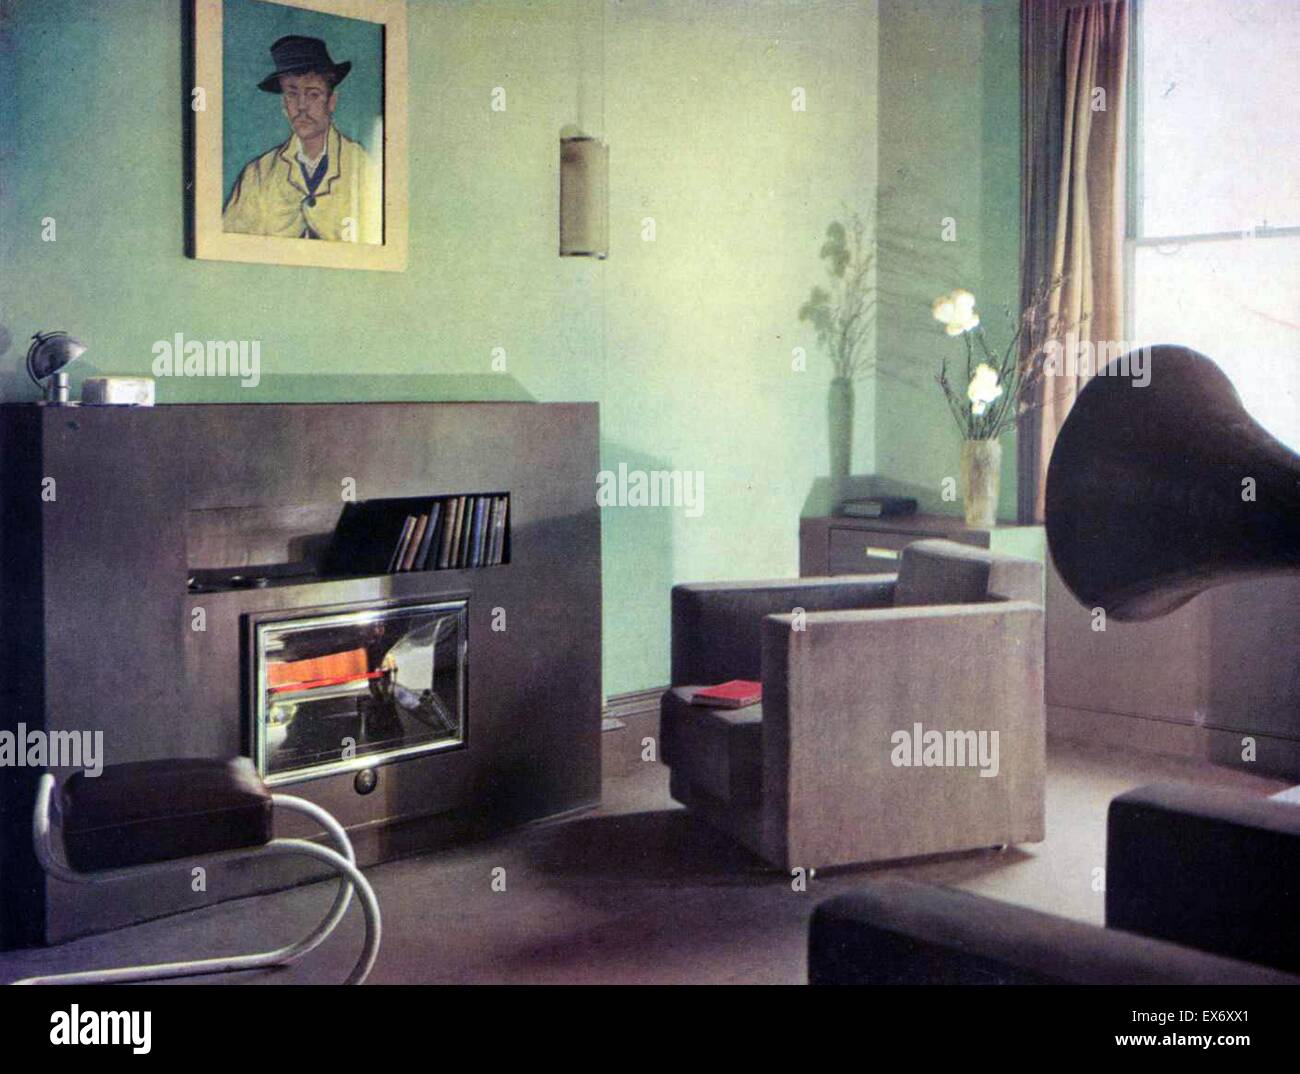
717,627
896,931
838,691
1212,869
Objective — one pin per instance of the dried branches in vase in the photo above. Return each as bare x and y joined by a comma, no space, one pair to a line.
843,315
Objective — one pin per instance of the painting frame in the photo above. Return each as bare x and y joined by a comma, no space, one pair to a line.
209,239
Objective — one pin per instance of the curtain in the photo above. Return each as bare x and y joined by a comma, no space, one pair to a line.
1074,58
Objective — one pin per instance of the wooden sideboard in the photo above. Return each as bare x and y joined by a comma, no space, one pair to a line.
840,545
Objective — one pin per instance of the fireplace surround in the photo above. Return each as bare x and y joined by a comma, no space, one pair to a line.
131,602
346,689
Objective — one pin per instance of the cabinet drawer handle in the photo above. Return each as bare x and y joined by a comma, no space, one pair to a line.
881,553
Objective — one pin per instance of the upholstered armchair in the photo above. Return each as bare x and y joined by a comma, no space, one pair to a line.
878,693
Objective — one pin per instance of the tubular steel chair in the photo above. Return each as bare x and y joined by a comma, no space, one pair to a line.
134,819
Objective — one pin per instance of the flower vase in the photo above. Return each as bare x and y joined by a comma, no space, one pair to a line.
981,472
839,417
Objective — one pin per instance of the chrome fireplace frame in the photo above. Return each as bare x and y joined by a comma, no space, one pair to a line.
259,626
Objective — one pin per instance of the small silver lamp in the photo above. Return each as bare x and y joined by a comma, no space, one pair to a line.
47,357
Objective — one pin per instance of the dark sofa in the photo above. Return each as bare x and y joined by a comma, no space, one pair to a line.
1202,888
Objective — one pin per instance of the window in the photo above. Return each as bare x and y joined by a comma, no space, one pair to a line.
1214,193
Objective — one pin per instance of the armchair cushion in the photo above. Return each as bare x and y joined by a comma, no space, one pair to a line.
717,750
717,627
945,572
941,572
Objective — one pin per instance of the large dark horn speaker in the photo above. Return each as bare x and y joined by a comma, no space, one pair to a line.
1147,500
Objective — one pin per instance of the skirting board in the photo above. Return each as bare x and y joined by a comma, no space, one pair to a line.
636,703
627,720
1274,755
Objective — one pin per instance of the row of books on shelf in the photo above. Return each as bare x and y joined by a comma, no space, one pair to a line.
458,531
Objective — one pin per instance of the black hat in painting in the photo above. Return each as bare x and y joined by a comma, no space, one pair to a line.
293,55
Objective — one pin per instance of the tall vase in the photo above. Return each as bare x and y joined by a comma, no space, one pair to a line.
981,471
839,418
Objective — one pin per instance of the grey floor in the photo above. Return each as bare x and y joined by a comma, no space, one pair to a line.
635,892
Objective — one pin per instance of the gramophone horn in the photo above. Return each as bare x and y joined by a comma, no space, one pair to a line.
1148,501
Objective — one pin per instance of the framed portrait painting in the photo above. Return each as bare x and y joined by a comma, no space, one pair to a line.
300,132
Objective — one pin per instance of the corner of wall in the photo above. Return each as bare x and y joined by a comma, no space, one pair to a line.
949,209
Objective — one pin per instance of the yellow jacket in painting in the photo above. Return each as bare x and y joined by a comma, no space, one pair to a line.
271,197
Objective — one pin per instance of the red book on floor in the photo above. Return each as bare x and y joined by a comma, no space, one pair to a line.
735,694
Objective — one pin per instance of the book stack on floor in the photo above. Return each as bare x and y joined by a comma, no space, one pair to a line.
421,534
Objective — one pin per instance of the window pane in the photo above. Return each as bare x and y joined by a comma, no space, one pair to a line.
1220,125
1237,302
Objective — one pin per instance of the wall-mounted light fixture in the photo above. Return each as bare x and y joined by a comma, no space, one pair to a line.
584,157
584,195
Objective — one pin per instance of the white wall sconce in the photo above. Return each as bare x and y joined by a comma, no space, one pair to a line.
584,196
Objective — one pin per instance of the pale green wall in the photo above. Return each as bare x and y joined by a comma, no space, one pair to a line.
949,147
686,341
702,321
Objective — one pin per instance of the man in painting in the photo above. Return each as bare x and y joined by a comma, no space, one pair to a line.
319,184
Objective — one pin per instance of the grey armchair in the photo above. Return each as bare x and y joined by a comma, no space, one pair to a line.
822,772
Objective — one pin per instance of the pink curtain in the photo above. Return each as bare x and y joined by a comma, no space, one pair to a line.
1075,67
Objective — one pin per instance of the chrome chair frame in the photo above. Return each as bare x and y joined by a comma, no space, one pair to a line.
342,860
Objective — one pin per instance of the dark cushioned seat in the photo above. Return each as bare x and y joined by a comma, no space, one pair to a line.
718,750
147,811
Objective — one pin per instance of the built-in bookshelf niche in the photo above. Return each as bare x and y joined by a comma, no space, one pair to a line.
420,533
286,544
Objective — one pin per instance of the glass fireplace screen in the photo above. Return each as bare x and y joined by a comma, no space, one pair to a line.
352,689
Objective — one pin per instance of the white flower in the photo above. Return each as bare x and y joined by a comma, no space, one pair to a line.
983,389
956,312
